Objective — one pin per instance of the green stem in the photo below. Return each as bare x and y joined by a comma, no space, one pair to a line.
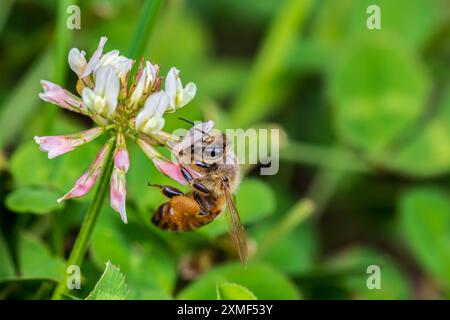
80,247
81,243
145,28
301,210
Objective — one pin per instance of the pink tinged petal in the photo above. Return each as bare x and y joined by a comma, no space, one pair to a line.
170,169
148,149
61,97
118,193
85,183
57,145
121,158
82,186
95,58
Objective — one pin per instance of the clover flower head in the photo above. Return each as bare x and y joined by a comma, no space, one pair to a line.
122,110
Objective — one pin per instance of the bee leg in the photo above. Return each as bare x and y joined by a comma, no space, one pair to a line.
168,191
203,209
186,174
196,185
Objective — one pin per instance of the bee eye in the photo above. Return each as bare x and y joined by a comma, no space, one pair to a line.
213,151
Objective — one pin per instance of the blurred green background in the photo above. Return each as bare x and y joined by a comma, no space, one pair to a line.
364,160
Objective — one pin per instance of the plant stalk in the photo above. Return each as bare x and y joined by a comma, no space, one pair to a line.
145,27
81,243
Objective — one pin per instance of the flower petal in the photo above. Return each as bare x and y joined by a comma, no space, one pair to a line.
77,61
172,85
118,193
93,62
61,97
149,119
170,169
122,65
121,158
87,180
107,86
188,94
178,96
57,145
144,83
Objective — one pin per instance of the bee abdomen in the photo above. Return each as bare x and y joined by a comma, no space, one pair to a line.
163,218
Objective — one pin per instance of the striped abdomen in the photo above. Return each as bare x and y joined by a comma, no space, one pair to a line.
184,213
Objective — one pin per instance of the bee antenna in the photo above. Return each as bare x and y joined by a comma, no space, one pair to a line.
186,120
192,123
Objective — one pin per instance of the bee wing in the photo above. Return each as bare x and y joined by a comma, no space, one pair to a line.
237,227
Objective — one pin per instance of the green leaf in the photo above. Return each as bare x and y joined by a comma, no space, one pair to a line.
427,152
33,200
425,219
353,263
302,241
378,90
264,281
35,260
6,265
338,21
111,286
148,264
23,101
30,166
234,291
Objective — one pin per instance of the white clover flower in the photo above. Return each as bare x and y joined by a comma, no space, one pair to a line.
179,96
136,111
103,99
150,118
145,82
122,65
77,61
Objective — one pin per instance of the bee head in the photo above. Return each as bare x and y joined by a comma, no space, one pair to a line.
210,147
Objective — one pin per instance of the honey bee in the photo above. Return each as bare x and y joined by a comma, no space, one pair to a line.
209,165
